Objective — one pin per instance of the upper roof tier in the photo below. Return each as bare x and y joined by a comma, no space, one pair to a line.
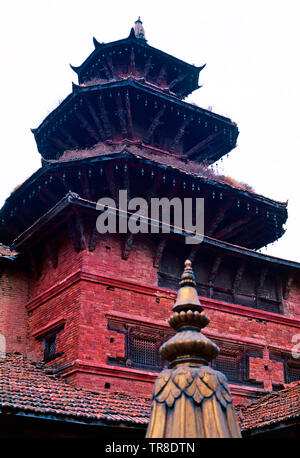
129,90
129,109
133,56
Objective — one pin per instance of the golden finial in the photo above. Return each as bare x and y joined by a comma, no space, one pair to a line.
190,399
139,30
187,295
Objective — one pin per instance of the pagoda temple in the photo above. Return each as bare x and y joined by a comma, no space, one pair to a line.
93,308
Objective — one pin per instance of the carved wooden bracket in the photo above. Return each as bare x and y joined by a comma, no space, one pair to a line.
96,120
76,231
34,264
154,124
52,253
219,216
287,287
93,238
159,251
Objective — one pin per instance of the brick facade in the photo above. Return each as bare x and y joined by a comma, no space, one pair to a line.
89,290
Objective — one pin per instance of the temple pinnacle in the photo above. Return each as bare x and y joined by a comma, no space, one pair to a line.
190,398
139,29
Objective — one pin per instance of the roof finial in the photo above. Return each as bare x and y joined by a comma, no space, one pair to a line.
190,399
139,29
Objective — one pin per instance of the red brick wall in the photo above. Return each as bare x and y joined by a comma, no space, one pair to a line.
106,259
66,305
13,316
293,302
110,285
69,261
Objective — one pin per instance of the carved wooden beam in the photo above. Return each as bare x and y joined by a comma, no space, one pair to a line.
63,178
112,183
176,81
239,275
110,66
106,70
96,120
202,146
85,185
180,133
41,196
52,253
121,113
231,229
127,246
70,139
159,251
76,231
193,252
129,116
287,287
161,75
215,267
148,66
86,125
279,293
253,228
16,225
261,279
51,197
152,190
93,238
219,216
105,120
126,183
59,143
154,124
213,273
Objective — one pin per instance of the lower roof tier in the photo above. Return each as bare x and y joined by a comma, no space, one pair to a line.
129,109
232,213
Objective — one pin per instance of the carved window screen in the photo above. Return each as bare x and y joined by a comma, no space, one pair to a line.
143,350
229,365
292,373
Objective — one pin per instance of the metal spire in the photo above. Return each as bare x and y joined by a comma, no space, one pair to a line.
190,399
139,29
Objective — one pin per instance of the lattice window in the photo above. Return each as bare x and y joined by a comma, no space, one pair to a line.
292,373
144,351
229,365
49,347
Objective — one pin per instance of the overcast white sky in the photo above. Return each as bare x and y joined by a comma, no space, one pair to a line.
252,52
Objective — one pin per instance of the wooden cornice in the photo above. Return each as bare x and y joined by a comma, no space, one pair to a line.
72,200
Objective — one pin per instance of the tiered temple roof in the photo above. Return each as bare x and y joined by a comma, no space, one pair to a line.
127,115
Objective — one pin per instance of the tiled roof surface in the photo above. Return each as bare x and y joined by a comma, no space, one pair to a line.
161,157
276,407
25,386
